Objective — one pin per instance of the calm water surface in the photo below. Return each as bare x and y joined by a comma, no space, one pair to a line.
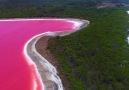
15,72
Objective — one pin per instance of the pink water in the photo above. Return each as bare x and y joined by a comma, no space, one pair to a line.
15,72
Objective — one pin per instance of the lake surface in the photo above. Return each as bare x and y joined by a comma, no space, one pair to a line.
15,71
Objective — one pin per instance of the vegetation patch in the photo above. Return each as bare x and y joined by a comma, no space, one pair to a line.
97,57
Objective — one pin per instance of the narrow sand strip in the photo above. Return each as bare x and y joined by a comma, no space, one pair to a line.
47,72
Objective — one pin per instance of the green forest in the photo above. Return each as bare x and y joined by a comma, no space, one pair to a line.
94,58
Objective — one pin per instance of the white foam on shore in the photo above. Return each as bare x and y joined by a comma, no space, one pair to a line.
30,62
128,40
128,31
52,70
77,24
53,76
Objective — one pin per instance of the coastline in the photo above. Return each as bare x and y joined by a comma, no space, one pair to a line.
36,51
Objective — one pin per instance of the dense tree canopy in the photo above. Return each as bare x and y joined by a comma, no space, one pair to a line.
9,3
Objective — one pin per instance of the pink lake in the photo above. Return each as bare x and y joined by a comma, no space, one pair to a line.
15,72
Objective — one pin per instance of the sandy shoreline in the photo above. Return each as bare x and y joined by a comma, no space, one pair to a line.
36,51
